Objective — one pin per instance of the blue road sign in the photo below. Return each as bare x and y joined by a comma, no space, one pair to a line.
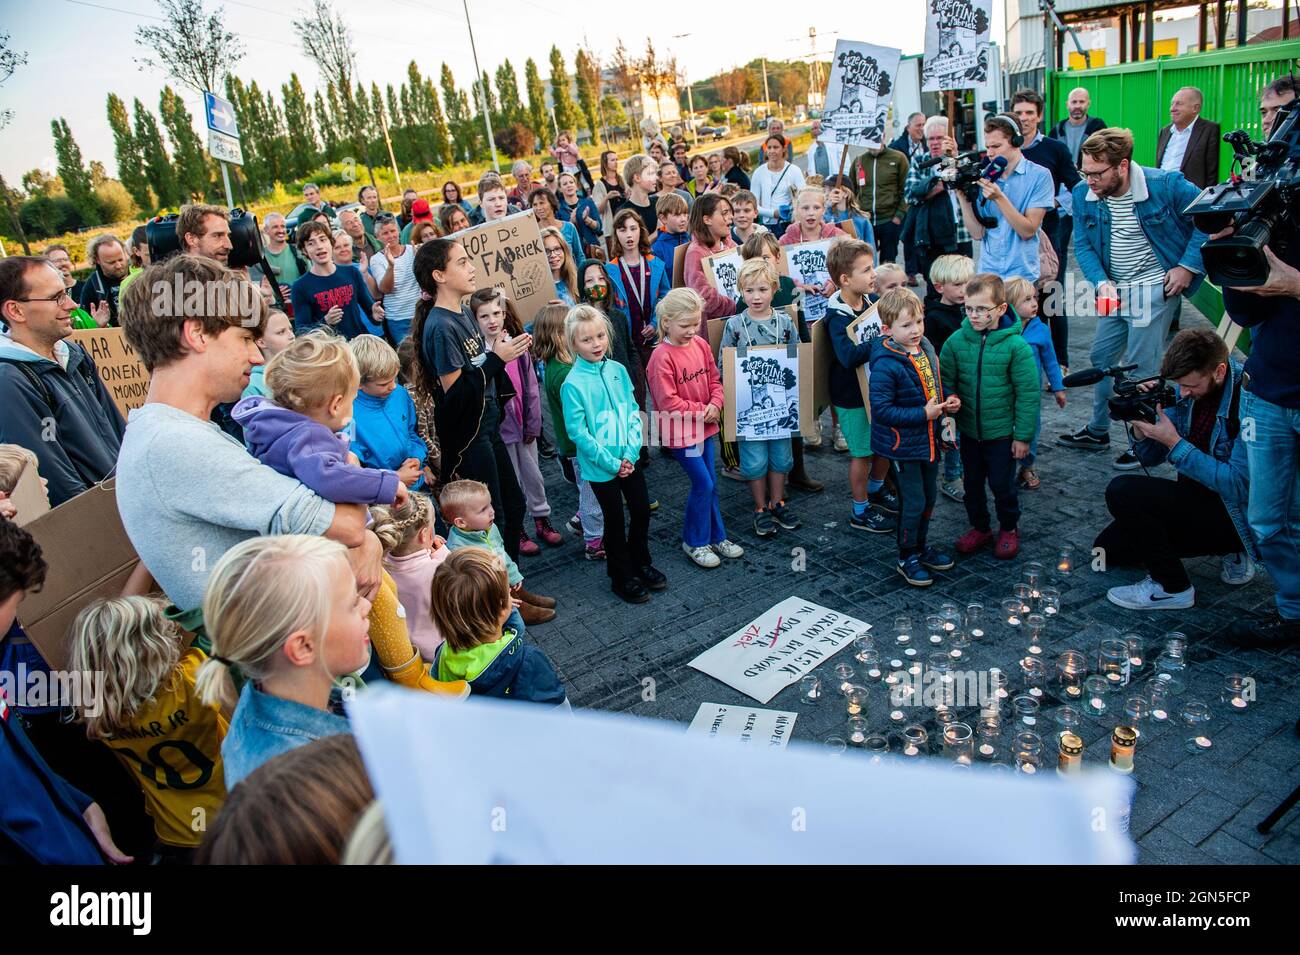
220,114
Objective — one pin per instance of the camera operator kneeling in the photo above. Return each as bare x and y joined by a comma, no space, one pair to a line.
1157,521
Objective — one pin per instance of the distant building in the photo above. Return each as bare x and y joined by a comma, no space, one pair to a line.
666,107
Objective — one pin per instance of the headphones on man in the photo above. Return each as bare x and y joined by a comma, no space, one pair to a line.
1012,124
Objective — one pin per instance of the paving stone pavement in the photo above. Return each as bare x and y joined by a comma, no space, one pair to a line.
1188,808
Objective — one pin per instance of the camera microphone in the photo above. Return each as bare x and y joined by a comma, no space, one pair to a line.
996,167
931,161
1089,376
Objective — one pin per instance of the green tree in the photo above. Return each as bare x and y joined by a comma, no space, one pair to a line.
588,74
302,144
615,114
157,164
76,180
130,164
536,101
512,109
339,120
252,143
443,148
325,120
459,120
188,156
566,114
493,109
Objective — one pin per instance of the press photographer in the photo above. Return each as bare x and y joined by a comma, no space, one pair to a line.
1157,521
939,226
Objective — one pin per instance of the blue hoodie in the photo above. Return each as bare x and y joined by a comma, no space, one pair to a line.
507,668
385,431
1040,339
301,448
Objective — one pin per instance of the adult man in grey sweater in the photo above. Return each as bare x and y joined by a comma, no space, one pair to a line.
188,492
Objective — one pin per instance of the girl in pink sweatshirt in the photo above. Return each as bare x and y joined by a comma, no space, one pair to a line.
687,394
710,229
412,554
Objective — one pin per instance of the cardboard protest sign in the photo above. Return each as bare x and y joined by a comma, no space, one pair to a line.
806,264
84,573
721,270
507,254
120,368
956,45
858,93
779,647
823,355
743,724
716,326
861,330
29,496
767,391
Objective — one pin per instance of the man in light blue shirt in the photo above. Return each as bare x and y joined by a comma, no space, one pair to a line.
1018,201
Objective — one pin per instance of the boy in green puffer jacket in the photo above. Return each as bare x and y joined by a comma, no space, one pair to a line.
992,370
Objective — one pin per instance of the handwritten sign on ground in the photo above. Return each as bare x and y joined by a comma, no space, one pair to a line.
858,93
508,254
744,724
778,648
120,368
956,45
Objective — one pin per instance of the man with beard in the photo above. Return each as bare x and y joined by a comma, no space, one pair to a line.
107,254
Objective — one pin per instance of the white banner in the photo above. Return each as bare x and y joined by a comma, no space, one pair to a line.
745,724
858,93
778,648
956,45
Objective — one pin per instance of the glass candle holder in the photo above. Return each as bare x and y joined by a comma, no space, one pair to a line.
1196,717
959,742
914,740
903,695
871,666
895,665
835,745
1033,672
938,662
1113,663
1034,578
1136,713
1025,710
1071,671
1027,749
897,717
998,681
1011,612
1022,593
1161,700
1123,740
902,630
877,747
810,688
1035,632
1050,602
989,743
844,675
934,628
1171,669
1136,651
951,615
1095,691
862,645
856,700
1238,691
1068,717
1069,761
976,623
1065,561
857,731
915,669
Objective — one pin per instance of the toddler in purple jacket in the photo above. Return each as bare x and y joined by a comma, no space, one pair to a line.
313,384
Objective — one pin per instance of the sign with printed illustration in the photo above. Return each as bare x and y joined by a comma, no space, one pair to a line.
860,331
780,646
806,264
508,254
858,93
721,270
743,724
767,391
956,45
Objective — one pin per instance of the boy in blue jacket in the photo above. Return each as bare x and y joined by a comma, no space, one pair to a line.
673,215
471,606
1022,298
907,401
383,416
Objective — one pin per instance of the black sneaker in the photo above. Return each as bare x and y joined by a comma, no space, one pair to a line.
1127,462
631,590
653,579
764,523
1268,633
545,448
884,500
781,514
1084,440
872,521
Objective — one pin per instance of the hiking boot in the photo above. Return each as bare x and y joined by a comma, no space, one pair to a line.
1084,440
537,600
974,540
546,532
914,573
1146,594
532,615
1007,546
528,547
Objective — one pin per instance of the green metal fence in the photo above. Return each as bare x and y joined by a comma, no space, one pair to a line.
1137,95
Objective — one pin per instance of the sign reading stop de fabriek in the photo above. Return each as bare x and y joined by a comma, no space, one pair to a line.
119,367
508,254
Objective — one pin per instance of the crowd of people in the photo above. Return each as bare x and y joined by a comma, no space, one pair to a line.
338,476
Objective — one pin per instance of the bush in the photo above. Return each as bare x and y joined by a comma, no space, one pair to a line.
717,115
44,216
115,203
516,140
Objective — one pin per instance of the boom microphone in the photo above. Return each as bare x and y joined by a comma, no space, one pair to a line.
1090,376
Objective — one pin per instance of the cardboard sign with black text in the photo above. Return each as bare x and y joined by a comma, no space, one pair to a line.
120,368
507,254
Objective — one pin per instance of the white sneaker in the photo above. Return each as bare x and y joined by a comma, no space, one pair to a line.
1237,569
726,548
701,555
840,444
1146,594
814,442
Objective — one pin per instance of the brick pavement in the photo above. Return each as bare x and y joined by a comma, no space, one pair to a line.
1188,808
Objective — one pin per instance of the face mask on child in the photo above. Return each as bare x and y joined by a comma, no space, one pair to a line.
596,293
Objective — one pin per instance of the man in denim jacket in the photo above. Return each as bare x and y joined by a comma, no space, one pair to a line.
1156,521
1134,245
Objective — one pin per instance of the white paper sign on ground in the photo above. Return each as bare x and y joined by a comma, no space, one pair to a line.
956,45
858,93
507,782
743,724
779,647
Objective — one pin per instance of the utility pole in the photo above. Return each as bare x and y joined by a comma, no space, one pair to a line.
766,98
482,96
383,125
690,105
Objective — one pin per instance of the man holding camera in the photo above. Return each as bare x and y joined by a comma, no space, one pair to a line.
1141,253
1156,521
939,227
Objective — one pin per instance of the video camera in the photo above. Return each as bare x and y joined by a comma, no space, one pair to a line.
1130,402
1259,204
245,239
963,172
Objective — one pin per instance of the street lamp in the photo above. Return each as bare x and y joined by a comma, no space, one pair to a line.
482,93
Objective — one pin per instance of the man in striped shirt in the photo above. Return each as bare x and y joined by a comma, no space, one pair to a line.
1136,247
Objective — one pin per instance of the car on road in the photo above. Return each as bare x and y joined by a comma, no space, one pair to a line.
721,131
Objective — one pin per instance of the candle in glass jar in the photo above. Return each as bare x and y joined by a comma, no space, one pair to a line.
1122,743
855,700
857,732
1011,611
896,716
1070,760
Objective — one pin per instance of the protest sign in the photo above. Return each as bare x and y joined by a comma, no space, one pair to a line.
858,93
507,254
120,368
716,326
806,264
779,647
823,355
743,724
29,496
860,331
767,391
956,45
720,271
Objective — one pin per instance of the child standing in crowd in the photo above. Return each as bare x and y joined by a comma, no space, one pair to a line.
563,271
1022,299
710,234
521,417
764,463
604,423
330,294
810,225
889,276
944,312
149,714
641,173
471,607
285,611
744,217
851,264
313,385
546,209
582,213
384,414
551,351
622,347
688,406
277,335
907,401
412,555
566,153
467,508
842,203
992,370
673,216
639,279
